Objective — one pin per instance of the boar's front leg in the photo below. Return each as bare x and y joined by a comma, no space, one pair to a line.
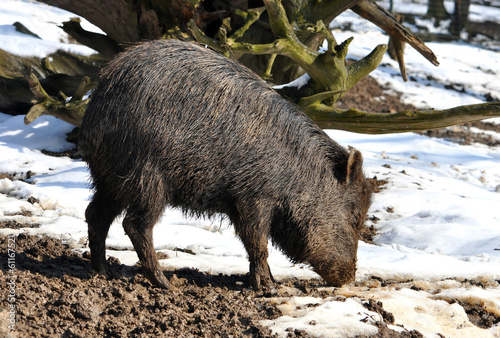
260,273
138,224
254,236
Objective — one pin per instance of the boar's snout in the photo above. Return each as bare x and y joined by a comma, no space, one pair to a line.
337,272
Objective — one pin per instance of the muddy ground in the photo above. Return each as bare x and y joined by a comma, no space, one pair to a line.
60,298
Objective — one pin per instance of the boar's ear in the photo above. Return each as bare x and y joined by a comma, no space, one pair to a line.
354,166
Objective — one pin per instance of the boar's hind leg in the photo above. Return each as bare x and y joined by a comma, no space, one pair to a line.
100,212
138,224
254,238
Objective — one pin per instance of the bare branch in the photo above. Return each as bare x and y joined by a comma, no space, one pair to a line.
371,11
397,49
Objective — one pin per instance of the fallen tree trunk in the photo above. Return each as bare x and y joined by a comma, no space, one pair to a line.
59,72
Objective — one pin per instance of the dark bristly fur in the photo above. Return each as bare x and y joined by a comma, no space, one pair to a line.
173,123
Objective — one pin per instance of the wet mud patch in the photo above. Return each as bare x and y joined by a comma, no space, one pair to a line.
55,296
11,224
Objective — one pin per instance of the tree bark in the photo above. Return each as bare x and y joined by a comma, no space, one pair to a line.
460,17
98,42
130,21
116,18
436,9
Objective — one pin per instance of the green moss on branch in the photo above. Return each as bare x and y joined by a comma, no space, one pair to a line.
70,111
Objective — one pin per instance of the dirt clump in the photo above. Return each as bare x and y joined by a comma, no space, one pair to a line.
385,332
377,306
387,318
369,231
6,175
376,184
479,316
12,224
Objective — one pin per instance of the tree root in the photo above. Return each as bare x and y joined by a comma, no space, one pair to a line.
69,110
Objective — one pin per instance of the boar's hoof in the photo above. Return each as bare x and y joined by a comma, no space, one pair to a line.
157,278
259,283
262,278
101,272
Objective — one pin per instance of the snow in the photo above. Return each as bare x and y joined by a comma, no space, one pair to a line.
43,20
419,311
438,221
326,318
